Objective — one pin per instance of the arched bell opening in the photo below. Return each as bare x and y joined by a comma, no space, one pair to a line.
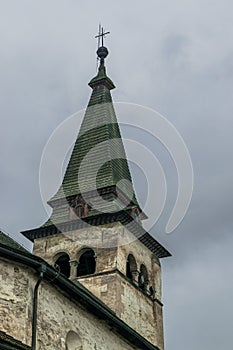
86,263
131,267
143,279
62,264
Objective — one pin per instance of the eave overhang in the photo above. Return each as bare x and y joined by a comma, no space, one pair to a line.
122,216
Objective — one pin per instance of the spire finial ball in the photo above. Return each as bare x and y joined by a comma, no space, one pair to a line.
102,52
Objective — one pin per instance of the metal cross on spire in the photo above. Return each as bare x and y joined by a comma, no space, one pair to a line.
101,35
102,51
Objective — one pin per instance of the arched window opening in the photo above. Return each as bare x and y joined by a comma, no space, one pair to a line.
87,263
77,212
131,267
62,264
143,279
78,208
73,341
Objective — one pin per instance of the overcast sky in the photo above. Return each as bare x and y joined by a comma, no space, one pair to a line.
173,56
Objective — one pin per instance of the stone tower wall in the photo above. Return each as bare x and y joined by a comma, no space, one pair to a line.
112,244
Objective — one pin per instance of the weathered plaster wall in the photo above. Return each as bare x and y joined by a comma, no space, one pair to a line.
135,308
16,295
57,314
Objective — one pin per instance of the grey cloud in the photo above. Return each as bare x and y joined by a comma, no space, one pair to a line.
173,57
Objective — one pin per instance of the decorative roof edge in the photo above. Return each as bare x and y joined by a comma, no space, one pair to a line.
122,216
102,78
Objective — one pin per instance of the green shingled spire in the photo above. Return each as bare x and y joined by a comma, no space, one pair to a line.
97,188
98,147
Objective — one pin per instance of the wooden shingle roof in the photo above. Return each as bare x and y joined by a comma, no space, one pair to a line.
98,159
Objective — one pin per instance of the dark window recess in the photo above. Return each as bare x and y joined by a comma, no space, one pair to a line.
80,210
143,278
131,266
62,264
128,272
87,263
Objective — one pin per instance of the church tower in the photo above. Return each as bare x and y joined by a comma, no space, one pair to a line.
95,233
